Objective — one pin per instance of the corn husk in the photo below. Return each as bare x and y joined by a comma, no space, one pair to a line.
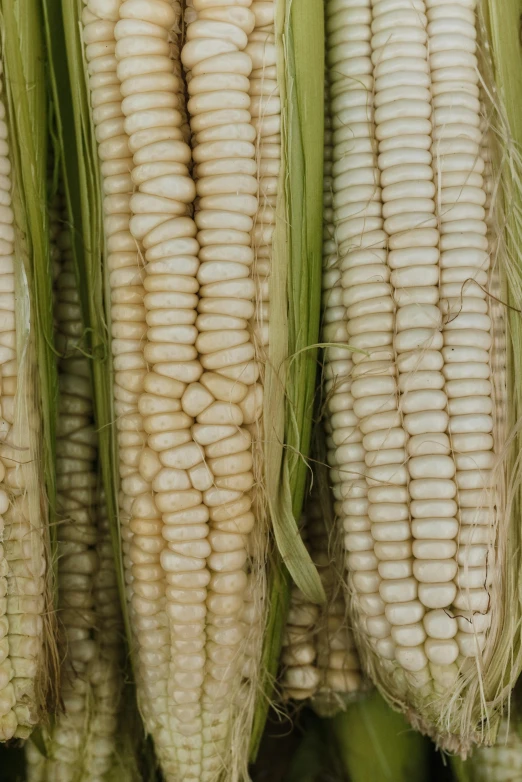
295,287
76,167
28,444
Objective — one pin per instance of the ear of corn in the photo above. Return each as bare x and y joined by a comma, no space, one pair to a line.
169,365
425,483
83,198
28,386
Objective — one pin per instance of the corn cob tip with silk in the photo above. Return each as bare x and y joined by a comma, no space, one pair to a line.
191,325
417,447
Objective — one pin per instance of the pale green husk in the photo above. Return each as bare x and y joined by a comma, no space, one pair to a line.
295,296
25,99
83,192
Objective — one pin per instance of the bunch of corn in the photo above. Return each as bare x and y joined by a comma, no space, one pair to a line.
194,353
81,743
415,428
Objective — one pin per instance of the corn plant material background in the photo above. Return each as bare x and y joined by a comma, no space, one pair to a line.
464,708
28,448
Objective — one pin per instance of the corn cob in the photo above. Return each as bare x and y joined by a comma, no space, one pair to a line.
81,744
190,330
415,466
166,484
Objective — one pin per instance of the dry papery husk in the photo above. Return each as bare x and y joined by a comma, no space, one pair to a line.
468,711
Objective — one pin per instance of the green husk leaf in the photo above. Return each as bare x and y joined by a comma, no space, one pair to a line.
295,297
25,89
27,124
82,183
377,744
295,289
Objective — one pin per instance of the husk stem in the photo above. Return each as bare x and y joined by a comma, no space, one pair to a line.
377,744
295,296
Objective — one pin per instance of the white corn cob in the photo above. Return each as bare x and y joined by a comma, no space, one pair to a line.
415,417
300,677
23,541
337,659
187,415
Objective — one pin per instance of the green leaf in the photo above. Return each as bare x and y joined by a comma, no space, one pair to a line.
82,181
295,298
25,89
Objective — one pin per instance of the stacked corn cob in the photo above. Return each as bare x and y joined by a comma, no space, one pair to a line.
415,462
